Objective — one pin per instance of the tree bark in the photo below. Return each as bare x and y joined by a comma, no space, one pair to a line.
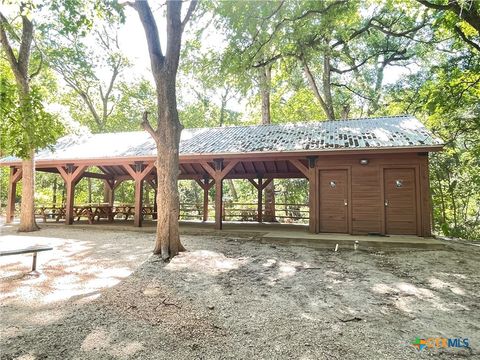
27,207
147,195
89,189
55,186
168,127
265,90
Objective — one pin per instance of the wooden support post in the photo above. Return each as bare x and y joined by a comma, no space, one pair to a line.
138,174
138,202
205,204
15,176
313,223
70,196
260,186
310,173
259,200
218,173
218,194
206,185
71,175
153,184
218,204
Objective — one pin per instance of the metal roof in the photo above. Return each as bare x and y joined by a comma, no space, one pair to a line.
366,133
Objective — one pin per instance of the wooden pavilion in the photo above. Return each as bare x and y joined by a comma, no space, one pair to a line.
365,175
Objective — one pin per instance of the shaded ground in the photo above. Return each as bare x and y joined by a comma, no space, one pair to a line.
235,298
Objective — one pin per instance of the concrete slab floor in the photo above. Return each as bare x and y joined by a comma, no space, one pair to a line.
284,234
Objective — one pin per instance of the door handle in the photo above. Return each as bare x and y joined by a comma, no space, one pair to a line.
345,202
386,202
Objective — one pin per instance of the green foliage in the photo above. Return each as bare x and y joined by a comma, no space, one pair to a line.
17,137
446,97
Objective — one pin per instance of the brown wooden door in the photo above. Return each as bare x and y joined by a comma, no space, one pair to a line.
334,201
400,201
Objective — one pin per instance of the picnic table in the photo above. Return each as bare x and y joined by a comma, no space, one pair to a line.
52,212
124,210
92,212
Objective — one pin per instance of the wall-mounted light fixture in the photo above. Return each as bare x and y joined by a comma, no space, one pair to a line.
364,162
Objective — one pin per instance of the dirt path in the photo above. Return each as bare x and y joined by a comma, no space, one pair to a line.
234,298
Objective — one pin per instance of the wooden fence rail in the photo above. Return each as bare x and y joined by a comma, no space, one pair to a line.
232,211
235,211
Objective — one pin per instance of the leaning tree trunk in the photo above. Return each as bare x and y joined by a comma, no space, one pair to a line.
265,88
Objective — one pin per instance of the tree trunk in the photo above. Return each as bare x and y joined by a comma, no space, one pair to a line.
55,185
147,195
233,191
168,129
327,87
221,122
265,90
89,188
107,193
325,100
168,237
27,207
223,108
63,193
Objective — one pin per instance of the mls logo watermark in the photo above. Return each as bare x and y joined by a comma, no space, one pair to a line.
439,343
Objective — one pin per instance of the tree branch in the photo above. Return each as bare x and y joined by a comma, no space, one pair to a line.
174,34
6,44
299,17
465,38
470,15
386,31
191,9
433,6
353,91
151,33
147,127
25,45
36,72
313,85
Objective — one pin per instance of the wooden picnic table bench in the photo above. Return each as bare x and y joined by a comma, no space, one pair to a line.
31,249
92,211
124,210
50,212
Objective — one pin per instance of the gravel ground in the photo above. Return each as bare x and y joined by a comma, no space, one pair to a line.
235,298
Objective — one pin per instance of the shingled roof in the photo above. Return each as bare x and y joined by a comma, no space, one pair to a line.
366,133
